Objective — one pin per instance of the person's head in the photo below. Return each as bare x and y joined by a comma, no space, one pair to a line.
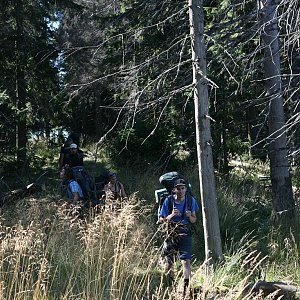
73,148
75,137
180,188
112,177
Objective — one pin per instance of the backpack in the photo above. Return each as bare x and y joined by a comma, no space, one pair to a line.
86,183
102,180
167,180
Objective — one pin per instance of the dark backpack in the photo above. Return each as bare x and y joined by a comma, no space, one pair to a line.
167,180
86,182
102,180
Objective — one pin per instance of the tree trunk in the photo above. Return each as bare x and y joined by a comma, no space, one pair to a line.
20,84
213,248
283,201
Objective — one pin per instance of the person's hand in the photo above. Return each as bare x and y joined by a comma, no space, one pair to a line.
188,213
175,212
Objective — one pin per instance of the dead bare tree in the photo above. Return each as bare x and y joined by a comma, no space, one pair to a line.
213,248
282,194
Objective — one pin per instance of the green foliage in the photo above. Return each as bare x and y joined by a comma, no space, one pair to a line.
134,51
29,75
104,252
237,146
167,147
243,209
8,111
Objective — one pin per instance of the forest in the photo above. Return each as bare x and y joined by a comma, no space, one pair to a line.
207,88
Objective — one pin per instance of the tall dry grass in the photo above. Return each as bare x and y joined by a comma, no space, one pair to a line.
47,253
111,255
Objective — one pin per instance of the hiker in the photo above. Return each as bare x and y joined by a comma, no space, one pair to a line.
63,151
114,189
178,216
73,138
73,158
75,193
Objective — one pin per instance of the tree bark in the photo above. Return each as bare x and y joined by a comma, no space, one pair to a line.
282,194
213,248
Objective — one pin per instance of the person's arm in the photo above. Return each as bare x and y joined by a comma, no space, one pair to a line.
107,188
169,217
75,198
107,191
123,194
164,213
191,214
81,159
61,158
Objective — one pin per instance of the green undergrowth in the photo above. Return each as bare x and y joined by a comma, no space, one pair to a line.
48,253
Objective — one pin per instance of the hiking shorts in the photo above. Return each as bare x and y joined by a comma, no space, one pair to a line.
180,246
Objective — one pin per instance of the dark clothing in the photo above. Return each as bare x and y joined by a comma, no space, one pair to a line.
73,160
64,149
86,182
74,137
178,240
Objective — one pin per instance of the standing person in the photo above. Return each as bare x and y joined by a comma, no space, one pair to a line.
73,158
179,211
73,138
64,150
74,190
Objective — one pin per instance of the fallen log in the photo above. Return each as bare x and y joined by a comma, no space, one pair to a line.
19,193
276,287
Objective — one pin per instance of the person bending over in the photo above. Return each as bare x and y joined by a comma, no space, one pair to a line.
74,190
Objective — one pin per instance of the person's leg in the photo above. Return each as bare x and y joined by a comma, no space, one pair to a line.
169,271
168,253
186,275
186,264
185,256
